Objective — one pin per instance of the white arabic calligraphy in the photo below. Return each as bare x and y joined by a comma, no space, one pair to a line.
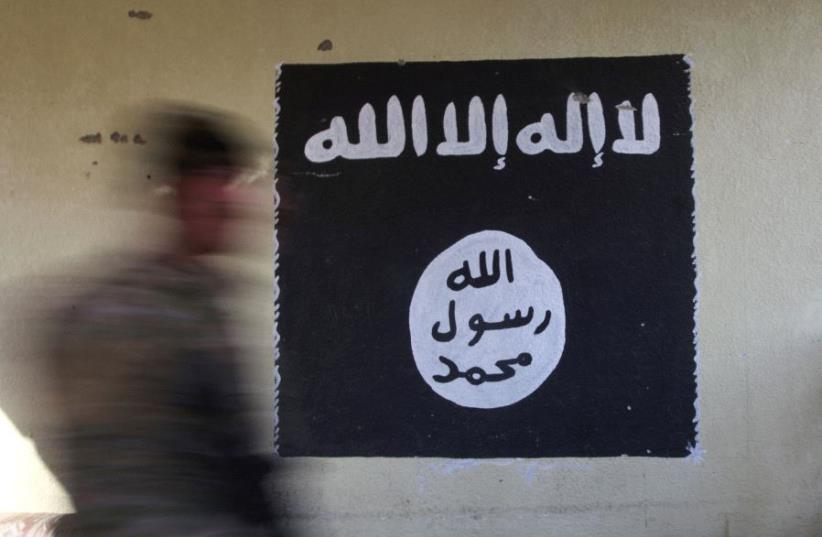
533,139
333,142
499,125
487,321
419,126
476,130
596,127
542,135
650,128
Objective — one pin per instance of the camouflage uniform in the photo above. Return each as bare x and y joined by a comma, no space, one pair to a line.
155,429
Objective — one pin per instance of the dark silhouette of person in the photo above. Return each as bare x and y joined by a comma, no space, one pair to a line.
155,440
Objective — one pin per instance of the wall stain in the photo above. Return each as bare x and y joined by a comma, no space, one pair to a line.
325,45
92,138
142,15
117,137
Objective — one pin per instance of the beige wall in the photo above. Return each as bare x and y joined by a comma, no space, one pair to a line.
71,68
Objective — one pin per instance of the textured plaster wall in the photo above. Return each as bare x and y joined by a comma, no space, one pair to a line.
72,68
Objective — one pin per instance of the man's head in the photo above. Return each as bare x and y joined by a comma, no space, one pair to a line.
205,157
204,209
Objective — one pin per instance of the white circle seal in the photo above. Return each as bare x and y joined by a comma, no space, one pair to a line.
487,321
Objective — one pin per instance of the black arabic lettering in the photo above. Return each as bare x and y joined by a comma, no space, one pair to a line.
453,371
480,325
462,278
442,337
506,369
463,272
477,375
544,324
485,279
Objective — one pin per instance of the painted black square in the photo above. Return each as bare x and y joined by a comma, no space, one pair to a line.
355,236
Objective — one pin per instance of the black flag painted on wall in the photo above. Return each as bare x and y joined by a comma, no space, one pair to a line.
486,259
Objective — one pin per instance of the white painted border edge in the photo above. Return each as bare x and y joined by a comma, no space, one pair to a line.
275,267
696,451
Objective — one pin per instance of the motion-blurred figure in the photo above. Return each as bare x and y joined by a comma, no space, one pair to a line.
156,438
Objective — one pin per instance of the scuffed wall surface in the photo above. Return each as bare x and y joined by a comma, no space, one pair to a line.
69,70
